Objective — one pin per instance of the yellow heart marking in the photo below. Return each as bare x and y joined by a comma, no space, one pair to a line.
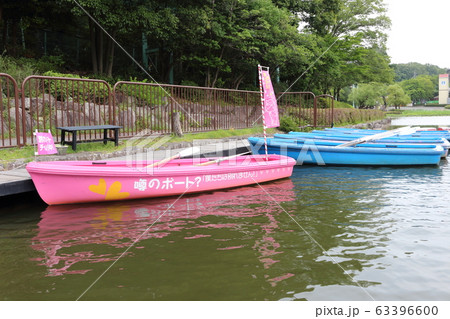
114,192
100,188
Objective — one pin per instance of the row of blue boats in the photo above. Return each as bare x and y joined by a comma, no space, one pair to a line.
346,146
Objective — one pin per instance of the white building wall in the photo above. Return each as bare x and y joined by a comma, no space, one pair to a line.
443,89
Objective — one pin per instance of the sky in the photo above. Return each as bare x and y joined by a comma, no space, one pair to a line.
420,31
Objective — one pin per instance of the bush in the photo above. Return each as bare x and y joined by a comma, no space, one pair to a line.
19,69
49,62
146,94
288,124
342,105
189,83
447,107
69,90
354,116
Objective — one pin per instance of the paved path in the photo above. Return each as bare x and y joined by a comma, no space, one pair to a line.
18,180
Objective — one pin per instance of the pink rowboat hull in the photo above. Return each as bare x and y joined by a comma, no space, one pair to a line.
66,182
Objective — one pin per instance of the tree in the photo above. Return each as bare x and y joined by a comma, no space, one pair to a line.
411,70
15,19
397,97
118,18
367,95
420,89
351,42
316,45
232,37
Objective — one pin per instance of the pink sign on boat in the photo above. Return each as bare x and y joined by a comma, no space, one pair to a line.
270,102
45,144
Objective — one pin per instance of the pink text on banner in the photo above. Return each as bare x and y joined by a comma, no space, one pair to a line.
45,144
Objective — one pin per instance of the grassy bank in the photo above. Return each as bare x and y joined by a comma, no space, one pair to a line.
403,113
341,117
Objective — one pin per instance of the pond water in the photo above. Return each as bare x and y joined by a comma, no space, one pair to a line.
327,233
422,121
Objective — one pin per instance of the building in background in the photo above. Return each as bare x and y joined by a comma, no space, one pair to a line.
443,89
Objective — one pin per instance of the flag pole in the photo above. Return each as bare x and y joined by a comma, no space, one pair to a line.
262,107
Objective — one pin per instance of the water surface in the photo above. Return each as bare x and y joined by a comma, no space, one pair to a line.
422,121
328,233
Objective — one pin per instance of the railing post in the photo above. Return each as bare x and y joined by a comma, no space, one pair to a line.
16,97
332,112
112,106
171,108
247,120
73,98
22,98
315,112
330,101
10,80
216,117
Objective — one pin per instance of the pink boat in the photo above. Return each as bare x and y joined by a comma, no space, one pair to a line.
68,182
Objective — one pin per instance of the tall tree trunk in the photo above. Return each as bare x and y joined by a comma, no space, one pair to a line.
208,77
218,70
110,56
14,37
93,46
238,81
3,28
100,50
337,93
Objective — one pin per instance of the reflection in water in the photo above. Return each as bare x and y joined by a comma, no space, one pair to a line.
121,224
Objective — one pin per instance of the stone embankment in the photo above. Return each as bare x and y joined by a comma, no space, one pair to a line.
383,124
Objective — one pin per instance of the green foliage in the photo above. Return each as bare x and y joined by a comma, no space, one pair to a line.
350,39
397,96
146,93
447,107
64,90
342,116
215,43
355,116
411,70
420,89
19,69
367,95
288,124
188,83
342,105
207,122
423,113
49,63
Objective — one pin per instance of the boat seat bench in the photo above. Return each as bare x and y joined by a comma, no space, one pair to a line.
75,129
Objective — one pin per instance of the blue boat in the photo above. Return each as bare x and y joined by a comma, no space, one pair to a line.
355,136
416,143
312,153
352,131
360,130
343,137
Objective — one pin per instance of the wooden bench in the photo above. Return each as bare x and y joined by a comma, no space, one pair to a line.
75,129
